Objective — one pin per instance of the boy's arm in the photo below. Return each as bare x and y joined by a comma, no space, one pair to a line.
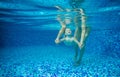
61,40
61,31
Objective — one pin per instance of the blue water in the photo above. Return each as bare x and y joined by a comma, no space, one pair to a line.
28,29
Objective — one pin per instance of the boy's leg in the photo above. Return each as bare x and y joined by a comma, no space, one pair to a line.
81,55
82,50
76,52
77,35
87,32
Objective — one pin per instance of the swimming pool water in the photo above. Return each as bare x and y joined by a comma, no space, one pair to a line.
27,35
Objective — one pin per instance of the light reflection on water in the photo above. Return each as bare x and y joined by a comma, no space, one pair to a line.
31,14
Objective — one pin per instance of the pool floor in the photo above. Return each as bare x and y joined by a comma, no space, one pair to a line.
54,61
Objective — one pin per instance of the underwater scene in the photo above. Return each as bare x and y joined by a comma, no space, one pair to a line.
59,38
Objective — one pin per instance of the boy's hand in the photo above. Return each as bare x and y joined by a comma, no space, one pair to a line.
81,45
57,41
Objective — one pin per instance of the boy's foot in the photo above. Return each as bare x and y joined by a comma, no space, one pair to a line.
75,58
77,63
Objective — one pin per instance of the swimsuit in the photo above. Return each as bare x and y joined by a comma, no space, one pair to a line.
69,41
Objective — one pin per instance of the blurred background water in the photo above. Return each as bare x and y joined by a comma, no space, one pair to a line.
28,29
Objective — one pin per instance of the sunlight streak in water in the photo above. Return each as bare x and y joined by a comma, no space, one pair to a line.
15,6
47,27
113,8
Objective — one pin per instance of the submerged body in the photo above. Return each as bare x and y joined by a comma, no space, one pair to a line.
69,41
80,34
